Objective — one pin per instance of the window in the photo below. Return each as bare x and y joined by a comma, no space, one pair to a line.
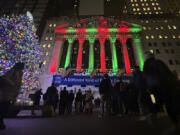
174,27
44,45
173,36
50,25
160,36
49,45
155,44
163,44
157,51
166,51
44,62
171,62
172,51
46,38
149,44
177,43
177,62
169,44
147,37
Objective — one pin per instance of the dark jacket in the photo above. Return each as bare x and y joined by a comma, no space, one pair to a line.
105,87
70,97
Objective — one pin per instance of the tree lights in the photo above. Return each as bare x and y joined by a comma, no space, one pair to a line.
19,43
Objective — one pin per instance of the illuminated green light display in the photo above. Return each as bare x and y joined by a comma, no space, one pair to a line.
68,55
139,52
71,30
113,30
60,55
113,38
114,59
135,30
91,58
91,30
92,33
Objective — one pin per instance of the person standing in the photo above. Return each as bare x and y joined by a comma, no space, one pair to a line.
105,90
89,104
164,85
70,102
78,101
63,101
51,96
10,85
36,99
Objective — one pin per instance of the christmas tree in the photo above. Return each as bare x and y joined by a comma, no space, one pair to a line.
19,43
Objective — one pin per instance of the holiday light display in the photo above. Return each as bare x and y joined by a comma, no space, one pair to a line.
103,33
19,43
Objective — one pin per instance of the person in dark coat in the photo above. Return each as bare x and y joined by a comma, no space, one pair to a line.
78,101
51,96
63,101
36,99
139,92
164,85
105,90
70,101
122,94
10,85
116,99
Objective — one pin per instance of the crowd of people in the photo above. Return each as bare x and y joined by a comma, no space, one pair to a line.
148,92
66,101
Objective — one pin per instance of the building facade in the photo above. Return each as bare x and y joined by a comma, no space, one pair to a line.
160,30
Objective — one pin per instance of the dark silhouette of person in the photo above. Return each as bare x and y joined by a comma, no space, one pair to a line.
164,85
63,101
51,96
105,90
36,99
84,100
137,88
120,88
97,102
10,85
70,102
78,101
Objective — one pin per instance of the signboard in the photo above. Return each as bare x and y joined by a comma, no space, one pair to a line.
84,80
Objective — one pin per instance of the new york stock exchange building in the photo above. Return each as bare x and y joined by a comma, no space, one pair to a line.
77,52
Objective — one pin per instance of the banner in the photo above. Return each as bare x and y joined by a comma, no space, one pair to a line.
85,80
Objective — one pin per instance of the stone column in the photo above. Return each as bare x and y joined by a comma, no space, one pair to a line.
114,55
79,59
138,51
123,39
102,53
54,64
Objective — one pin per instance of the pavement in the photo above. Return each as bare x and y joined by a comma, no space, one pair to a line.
85,125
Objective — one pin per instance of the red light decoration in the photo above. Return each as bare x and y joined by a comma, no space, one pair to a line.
81,36
61,26
123,40
103,62
54,60
60,30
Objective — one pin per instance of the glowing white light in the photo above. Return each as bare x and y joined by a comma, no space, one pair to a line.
29,15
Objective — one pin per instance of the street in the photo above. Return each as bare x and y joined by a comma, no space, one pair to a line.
84,125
